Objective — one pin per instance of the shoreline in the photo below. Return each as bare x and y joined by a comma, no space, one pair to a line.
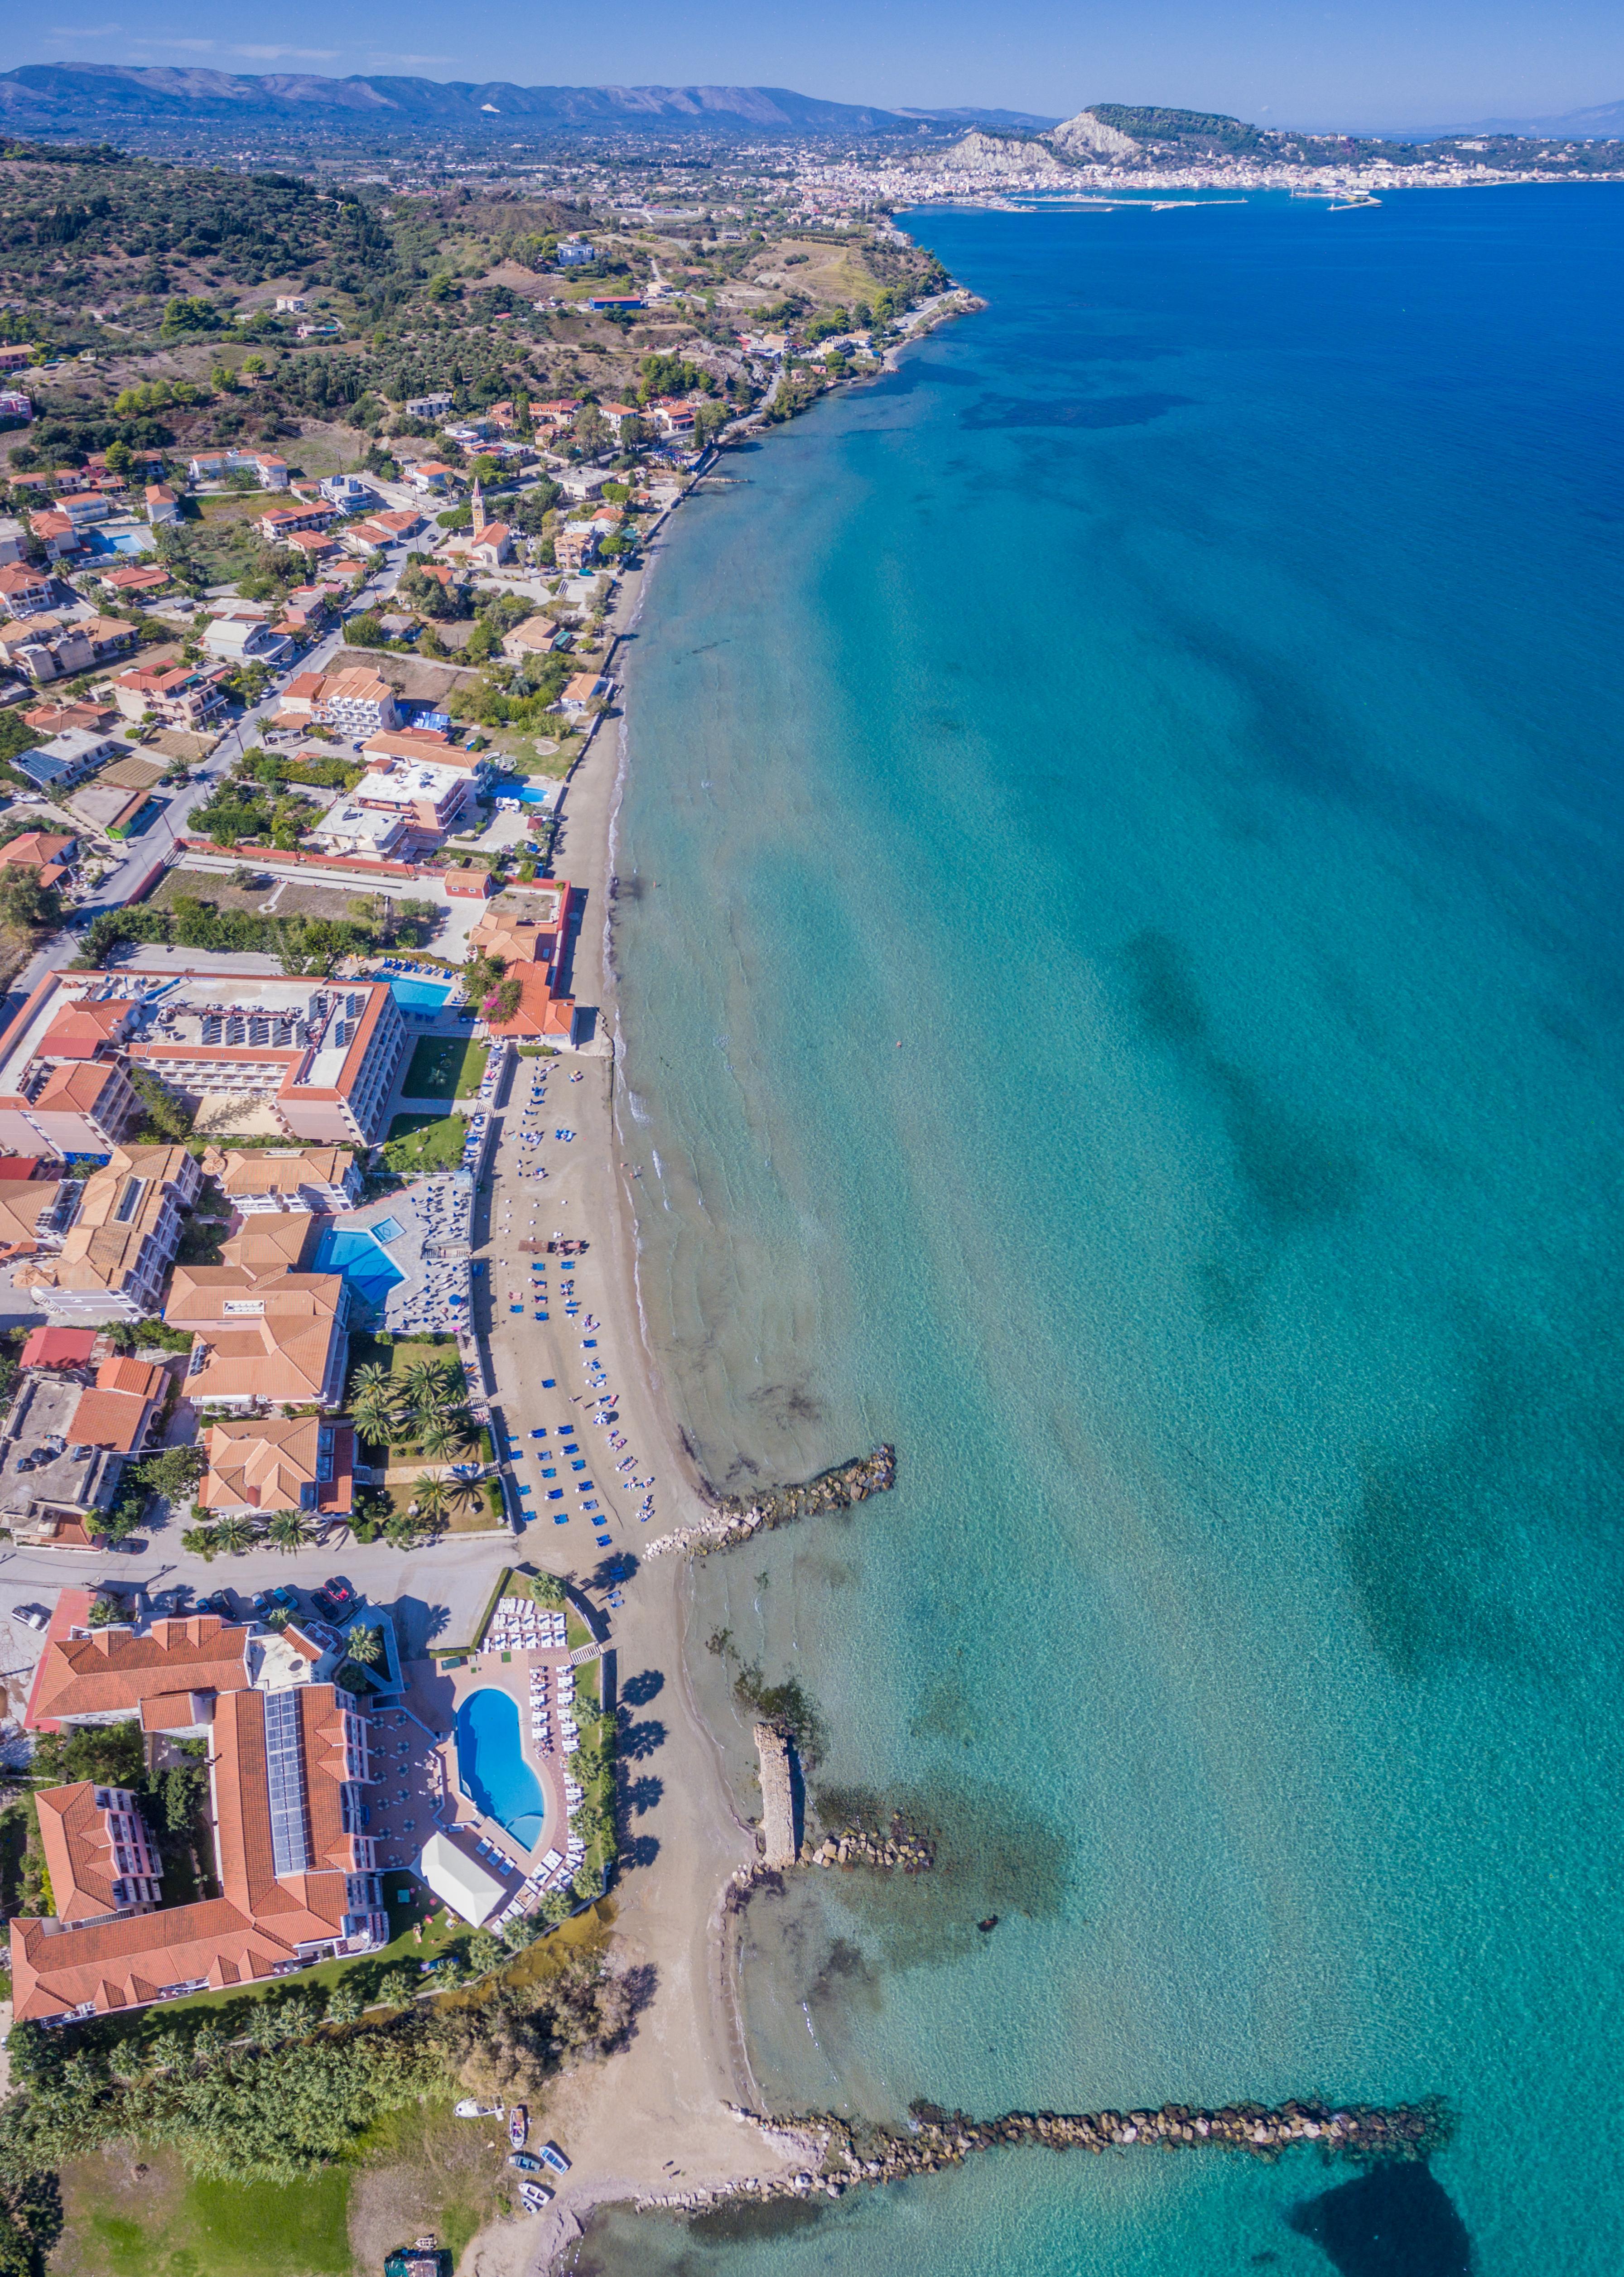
671,2093
682,2093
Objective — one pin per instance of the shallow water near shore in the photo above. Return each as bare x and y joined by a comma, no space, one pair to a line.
1119,935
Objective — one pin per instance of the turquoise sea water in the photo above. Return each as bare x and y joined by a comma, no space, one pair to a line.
1119,922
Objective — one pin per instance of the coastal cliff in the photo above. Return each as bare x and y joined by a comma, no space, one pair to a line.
733,1520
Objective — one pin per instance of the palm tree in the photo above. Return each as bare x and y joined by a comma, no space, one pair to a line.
424,1384
374,1415
433,1501
374,1403
364,1644
234,1533
289,1530
201,1541
440,1437
464,1493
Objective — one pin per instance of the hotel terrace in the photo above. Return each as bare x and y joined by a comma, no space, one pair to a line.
289,1761
322,1058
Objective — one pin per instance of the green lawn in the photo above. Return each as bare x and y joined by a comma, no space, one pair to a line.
401,1354
225,2229
445,1066
425,1142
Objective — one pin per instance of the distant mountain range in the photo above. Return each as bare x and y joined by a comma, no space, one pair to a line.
1604,123
128,99
108,98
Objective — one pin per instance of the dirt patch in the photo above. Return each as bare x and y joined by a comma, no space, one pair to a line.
296,898
447,2176
419,678
175,744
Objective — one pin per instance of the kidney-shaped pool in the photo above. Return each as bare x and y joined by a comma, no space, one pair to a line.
491,1770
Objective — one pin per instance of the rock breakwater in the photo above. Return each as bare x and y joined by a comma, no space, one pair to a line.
841,2156
906,1853
732,1519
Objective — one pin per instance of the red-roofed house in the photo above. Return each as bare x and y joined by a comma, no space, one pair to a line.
55,532
540,1016
50,857
282,522
85,1108
71,1348
136,578
25,591
180,698
104,1675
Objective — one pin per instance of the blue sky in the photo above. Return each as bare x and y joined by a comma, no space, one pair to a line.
1310,63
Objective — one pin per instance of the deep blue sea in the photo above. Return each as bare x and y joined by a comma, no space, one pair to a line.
1121,944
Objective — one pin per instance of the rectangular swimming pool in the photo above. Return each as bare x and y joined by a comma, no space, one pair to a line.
418,995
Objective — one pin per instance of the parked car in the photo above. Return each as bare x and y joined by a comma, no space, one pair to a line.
335,1600
31,1617
270,1601
220,1602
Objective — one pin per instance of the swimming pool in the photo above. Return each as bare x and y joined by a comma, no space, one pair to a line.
417,995
120,541
352,1251
491,1770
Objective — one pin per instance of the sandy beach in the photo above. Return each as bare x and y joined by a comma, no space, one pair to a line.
654,2116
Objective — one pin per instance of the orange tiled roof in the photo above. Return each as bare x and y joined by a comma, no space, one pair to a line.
259,1466
33,847
80,1031
268,1242
305,1904
539,1012
148,1379
79,1857
22,1203
276,1173
110,1965
109,1418
280,1353
59,1347
80,1088
110,1672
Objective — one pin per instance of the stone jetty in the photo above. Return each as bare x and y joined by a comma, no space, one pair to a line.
840,2156
732,1519
777,1798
